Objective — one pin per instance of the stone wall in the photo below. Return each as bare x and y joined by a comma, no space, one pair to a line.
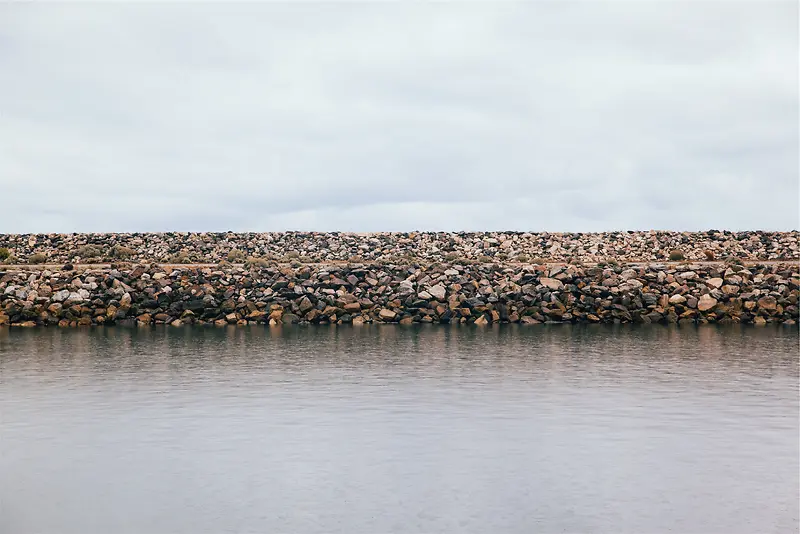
477,294
507,247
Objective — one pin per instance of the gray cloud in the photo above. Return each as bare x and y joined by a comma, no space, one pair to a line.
538,116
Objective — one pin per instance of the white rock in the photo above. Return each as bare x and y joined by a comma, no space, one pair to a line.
438,292
677,299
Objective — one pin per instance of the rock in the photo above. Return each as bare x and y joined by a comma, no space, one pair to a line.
768,303
73,297
677,299
729,290
352,307
631,285
387,315
706,302
715,283
481,321
438,292
305,305
551,283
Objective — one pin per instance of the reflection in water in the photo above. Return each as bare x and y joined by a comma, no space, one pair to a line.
391,429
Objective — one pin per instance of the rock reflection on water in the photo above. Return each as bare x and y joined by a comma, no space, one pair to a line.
391,429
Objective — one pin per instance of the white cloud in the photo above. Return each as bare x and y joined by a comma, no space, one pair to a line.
573,116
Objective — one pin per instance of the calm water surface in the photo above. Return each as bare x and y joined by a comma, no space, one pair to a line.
387,429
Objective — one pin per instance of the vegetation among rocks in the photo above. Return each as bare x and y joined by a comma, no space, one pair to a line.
256,262
37,258
180,257
88,253
121,252
676,255
236,256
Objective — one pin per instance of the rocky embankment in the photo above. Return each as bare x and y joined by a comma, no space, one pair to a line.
425,247
477,294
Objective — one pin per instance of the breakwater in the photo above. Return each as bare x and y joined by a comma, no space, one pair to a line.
358,293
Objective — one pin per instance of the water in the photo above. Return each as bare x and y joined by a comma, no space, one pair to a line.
389,429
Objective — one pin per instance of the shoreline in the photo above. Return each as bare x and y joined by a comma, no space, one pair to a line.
481,294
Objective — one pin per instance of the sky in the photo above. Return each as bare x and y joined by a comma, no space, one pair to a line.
399,116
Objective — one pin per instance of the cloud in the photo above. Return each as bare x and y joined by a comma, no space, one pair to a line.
398,116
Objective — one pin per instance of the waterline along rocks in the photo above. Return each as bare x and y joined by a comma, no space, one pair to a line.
358,293
425,247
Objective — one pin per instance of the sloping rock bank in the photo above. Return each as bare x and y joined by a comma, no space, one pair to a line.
441,293
312,247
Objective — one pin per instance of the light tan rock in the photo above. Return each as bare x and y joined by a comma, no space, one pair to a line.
387,315
706,302
716,283
551,283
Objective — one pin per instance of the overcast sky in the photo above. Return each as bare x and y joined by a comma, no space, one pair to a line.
560,116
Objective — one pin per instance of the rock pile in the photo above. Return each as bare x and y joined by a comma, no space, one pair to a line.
313,247
477,294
